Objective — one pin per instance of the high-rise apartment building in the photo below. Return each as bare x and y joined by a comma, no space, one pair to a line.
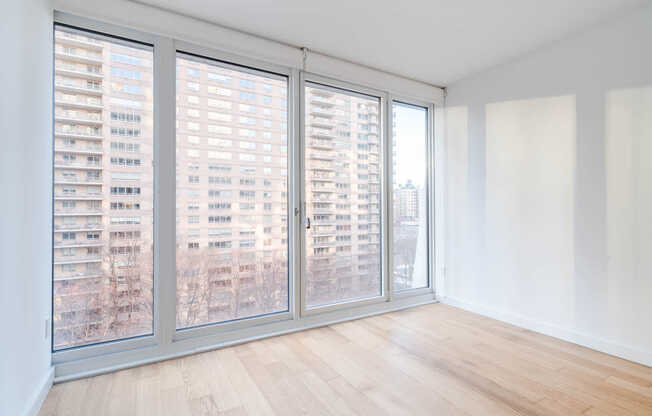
407,202
342,174
103,190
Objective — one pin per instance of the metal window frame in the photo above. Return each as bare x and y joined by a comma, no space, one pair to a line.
233,62
338,86
166,341
118,34
430,193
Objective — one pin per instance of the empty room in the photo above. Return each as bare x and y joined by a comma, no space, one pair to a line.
283,207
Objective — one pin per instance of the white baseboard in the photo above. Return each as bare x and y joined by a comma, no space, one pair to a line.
35,403
635,354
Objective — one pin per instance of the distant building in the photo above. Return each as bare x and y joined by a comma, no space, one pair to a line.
407,202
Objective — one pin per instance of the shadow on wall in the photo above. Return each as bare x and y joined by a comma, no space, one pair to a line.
628,128
529,206
517,247
456,201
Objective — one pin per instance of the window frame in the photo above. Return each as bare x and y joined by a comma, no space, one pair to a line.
430,193
166,341
338,86
114,34
253,67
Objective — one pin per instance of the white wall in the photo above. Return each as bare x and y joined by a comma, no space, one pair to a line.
25,181
549,189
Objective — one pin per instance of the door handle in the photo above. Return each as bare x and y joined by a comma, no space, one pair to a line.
307,223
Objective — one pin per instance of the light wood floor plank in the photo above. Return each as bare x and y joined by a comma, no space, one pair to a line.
430,360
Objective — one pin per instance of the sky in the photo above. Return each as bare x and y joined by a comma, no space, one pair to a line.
410,135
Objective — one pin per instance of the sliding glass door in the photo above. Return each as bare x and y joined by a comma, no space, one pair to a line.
232,192
342,196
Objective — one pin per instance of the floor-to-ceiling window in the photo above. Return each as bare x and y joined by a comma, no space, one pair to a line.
342,173
202,198
232,192
103,189
410,196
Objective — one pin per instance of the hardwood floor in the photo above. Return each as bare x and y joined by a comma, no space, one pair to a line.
430,360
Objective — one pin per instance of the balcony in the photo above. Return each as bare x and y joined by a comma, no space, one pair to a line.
78,227
322,92
322,197
77,88
73,164
323,222
80,103
73,71
87,150
75,134
77,197
324,210
77,212
321,111
322,144
74,118
322,255
322,187
323,243
78,275
321,166
67,180
78,55
321,122
322,176
318,231
77,259
78,40
323,101
320,267
322,133
78,243
321,155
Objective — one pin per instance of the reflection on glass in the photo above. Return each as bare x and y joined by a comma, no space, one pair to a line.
342,162
231,193
410,223
103,190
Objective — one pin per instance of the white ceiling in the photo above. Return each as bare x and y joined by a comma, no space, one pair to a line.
436,41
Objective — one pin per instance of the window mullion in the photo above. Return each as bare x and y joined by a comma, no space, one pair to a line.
165,189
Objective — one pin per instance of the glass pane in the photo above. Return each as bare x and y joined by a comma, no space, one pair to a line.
342,159
232,221
103,190
410,224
